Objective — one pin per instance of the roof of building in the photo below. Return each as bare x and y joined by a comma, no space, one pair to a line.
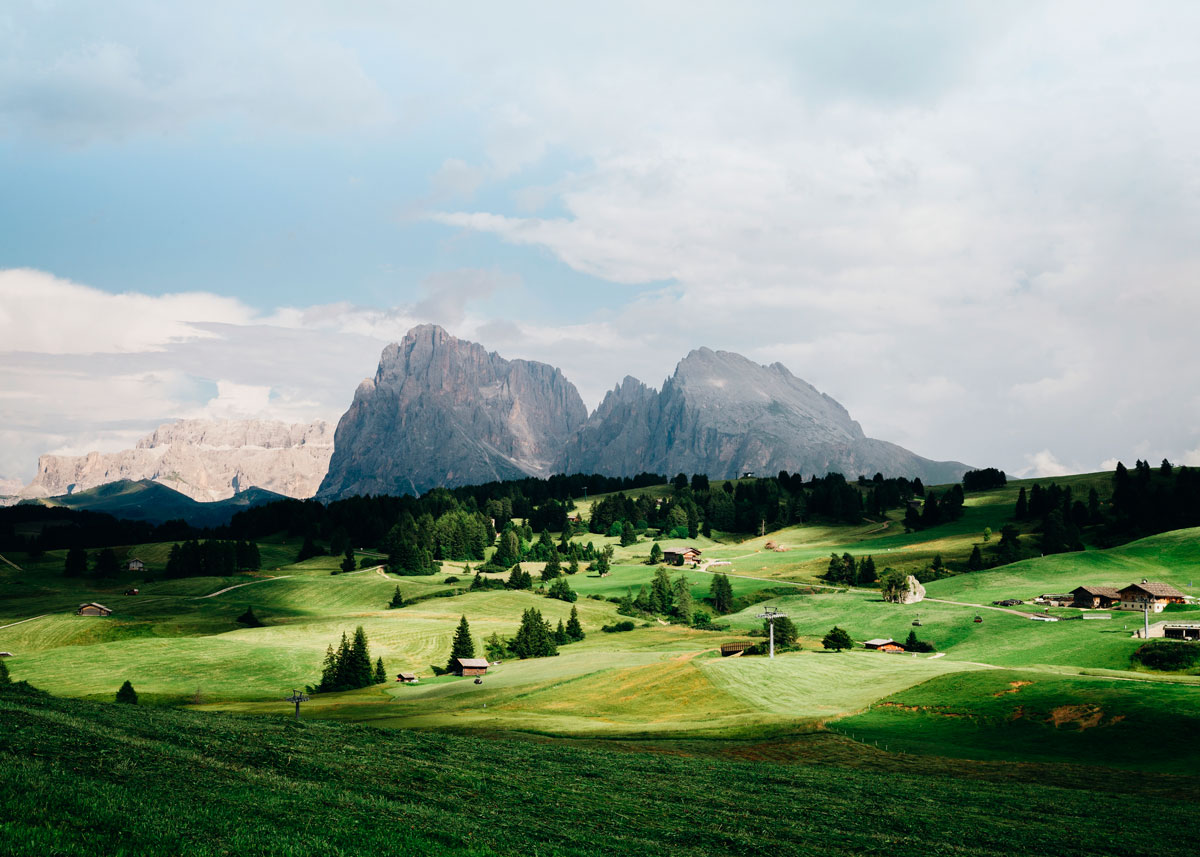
1106,591
406,675
880,642
1159,590
472,662
1058,595
94,604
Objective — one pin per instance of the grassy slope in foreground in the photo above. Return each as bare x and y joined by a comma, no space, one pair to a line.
1027,716
86,778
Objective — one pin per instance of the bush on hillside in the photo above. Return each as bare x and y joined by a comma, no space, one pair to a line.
1168,656
618,627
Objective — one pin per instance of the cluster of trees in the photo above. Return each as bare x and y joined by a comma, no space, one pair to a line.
936,510
212,558
666,597
35,529
984,480
837,639
349,666
1149,500
844,570
535,638
1060,518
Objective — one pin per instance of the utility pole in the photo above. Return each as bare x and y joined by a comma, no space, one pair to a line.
771,614
1146,620
297,698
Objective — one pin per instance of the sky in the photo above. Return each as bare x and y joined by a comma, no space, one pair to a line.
973,224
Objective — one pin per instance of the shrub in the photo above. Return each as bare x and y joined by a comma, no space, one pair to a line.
1168,655
451,579
617,627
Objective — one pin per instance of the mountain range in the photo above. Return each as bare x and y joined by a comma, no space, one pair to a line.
444,411
441,411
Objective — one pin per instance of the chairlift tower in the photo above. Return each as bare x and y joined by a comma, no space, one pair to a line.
297,698
771,614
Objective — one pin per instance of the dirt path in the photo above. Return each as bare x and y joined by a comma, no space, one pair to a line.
240,585
23,621
984,607
5,559
703,569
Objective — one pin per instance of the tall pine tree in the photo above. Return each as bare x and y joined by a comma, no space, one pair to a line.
463,646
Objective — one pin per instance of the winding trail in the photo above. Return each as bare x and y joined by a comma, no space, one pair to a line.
240,585
5,559
23,621
984,607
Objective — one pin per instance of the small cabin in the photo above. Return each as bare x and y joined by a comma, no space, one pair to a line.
136,564
728,649
6,654
470,666
92,609
1065,599
407,678
1156,596
679,556
1092,597
882,645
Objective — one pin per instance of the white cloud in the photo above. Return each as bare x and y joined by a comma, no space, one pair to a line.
1191,458
1044,463
44,314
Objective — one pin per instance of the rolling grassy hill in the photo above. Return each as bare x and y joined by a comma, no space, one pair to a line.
147,500
85,778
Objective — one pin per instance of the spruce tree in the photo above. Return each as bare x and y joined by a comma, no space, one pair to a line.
534,638
348,563
574,628
76,564
975,562
126,695
380,673
329,675
5,679
463,646
560,634
106,566
721,592
573,565
684,604
397,599
553,567
656,554
359,671
342,679
562,590
661,599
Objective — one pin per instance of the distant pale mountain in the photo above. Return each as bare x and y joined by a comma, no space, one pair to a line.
206,460
443,411
146,500
722,415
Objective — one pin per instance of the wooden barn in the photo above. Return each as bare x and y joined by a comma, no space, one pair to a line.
136,564
1095,596
679,556
470,666
1065,599
92,609
882,645
1137,596
728,649
407,678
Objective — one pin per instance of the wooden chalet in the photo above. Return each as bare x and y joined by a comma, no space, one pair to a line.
407,678
470,666
1095,596
92,609
136,564
1137,596
728,649
679,556
882,645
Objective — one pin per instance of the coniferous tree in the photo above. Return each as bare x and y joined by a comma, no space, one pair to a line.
866,572
249,619
348,563
463,646
397,599
574,628
684,605
4,677
534,637
721,592
975,562
562,590
309,549
126,695
494,647
560,634
76,563
1022,510
359,671
661,598
329,675
656,554
837,639
106,566
553,567
573,565
380,673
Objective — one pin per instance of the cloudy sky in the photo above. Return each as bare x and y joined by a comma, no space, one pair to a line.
976,225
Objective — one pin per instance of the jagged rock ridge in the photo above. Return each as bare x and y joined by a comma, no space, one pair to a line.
206,460
443,411
721,414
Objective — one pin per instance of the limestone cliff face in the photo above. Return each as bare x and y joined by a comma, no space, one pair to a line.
205,459
443,411
721,414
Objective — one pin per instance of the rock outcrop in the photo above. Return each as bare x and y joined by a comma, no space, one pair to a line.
443,411
206,460
722,415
